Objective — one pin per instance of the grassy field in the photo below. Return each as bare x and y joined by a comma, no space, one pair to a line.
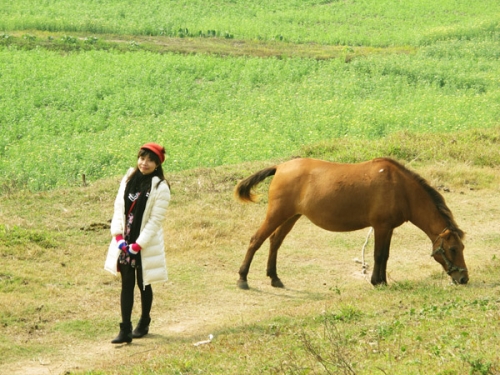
367,23
229,88
60,309
77,104
85,112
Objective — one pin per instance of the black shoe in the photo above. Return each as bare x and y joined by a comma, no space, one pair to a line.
125,335
142,328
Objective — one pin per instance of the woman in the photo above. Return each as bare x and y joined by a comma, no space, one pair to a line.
137,247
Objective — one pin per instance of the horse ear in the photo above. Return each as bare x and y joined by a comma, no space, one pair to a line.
446,234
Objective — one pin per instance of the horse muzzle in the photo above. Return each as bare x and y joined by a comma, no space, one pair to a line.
459,276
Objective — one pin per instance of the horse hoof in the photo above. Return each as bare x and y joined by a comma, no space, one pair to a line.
379,283
277,283
242,284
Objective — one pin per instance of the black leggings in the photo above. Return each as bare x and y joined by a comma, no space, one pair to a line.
127,294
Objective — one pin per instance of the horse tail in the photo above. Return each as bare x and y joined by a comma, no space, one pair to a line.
243,190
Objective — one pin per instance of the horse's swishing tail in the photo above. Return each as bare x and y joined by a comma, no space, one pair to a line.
243,190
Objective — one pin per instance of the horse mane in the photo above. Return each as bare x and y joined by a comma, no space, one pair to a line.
436,197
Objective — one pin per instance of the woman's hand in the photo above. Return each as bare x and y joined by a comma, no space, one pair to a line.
122,244
134,248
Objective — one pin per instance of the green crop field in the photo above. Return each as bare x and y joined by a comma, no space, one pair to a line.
372,23
230,87
80,111
84,113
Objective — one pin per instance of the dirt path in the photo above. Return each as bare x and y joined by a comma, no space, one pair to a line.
211,310
190,322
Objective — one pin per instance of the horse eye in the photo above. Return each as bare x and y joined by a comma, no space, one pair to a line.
453,250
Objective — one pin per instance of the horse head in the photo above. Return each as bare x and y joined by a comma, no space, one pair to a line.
448,250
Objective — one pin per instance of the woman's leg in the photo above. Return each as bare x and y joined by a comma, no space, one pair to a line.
126,304
146,295
142,328
127,293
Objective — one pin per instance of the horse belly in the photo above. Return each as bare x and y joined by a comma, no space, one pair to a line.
342,214
342,205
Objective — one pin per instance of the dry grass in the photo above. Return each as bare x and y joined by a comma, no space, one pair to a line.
60,309
215,46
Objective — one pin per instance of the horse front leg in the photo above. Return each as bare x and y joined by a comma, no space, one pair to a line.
381,255
276,240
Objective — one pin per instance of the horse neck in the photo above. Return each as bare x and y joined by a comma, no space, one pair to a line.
426,216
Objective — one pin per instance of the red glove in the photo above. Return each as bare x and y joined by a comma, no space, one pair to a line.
134,248
122,245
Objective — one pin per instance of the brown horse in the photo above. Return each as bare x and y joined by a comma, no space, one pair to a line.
380,193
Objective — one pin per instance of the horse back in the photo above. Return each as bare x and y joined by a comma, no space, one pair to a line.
341,196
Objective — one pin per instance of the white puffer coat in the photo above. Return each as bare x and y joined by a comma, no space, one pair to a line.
154,267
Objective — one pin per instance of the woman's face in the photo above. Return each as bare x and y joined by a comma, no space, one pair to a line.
146,165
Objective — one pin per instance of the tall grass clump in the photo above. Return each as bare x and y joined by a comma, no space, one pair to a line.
477,147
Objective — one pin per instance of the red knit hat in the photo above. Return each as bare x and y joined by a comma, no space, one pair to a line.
156,149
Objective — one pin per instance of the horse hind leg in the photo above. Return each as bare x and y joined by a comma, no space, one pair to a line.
276,240
381,255
265,230
255,243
